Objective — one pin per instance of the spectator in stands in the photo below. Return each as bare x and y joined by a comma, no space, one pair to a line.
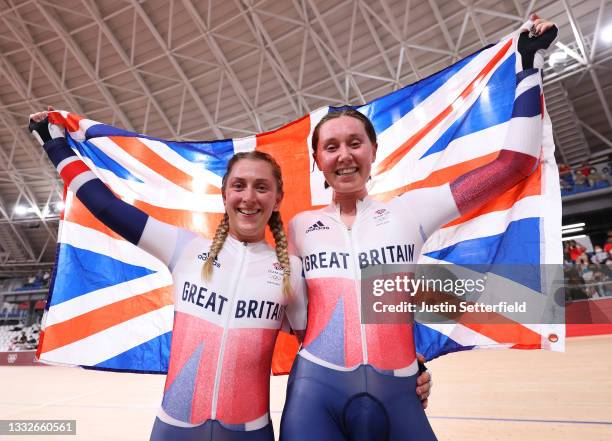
589,275
566,254
581,182
596,179
585,169
598,277
566,187
576,252
18,341
574,290
566,178
599,255
608,245
565,173
46,277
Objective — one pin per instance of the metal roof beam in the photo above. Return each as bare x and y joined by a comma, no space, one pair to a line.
95,12
12,125
27,247
39,58
464,23
268,48
442,24
497,13
602,97
602,6
580,41
596,133
241,93
85,64
575,29
333,50
179,70
375,37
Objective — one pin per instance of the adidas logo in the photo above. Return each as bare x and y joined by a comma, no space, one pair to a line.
317,226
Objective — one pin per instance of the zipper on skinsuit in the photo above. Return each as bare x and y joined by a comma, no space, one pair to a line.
364,346
215,398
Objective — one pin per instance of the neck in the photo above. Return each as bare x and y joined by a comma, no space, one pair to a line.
243,239
348,201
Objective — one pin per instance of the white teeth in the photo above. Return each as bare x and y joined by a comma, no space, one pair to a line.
346,171
245,211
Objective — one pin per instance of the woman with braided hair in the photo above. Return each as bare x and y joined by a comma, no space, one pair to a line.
231,294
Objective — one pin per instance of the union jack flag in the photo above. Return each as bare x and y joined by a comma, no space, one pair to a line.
110,304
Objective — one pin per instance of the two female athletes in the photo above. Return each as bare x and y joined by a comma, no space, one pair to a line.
351,381
227,313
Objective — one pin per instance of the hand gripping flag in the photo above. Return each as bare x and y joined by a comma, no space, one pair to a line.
110,304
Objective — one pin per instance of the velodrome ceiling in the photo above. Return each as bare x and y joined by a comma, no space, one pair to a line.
212,69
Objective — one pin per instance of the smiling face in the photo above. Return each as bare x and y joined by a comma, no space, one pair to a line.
345,153
250,195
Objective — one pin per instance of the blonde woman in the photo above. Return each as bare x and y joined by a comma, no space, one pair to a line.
228,310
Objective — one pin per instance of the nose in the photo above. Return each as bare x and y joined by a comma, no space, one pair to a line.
344,153
248,195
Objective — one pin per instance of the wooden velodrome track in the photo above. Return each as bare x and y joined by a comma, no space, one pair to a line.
478,395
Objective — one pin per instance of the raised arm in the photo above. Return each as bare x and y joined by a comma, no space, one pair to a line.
521,152
163,240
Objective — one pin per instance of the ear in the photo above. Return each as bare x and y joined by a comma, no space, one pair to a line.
316,160
279,199
374,149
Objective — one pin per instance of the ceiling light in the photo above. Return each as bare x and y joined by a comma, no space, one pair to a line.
21,209
573,237
606,34
557,58
580,224
59,205
572,230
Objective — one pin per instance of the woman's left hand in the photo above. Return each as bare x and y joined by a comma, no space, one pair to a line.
424,384
539,25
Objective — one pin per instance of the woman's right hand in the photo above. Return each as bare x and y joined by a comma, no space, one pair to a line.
40,116
41,129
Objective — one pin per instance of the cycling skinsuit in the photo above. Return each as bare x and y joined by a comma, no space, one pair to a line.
355,381
346,383
217,387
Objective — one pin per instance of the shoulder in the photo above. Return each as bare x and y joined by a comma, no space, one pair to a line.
200,240
305,218
308,214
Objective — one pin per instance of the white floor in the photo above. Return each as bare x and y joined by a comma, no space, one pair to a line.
482,395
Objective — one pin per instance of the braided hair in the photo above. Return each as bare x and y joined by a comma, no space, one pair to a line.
275,222
282,252
215,246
